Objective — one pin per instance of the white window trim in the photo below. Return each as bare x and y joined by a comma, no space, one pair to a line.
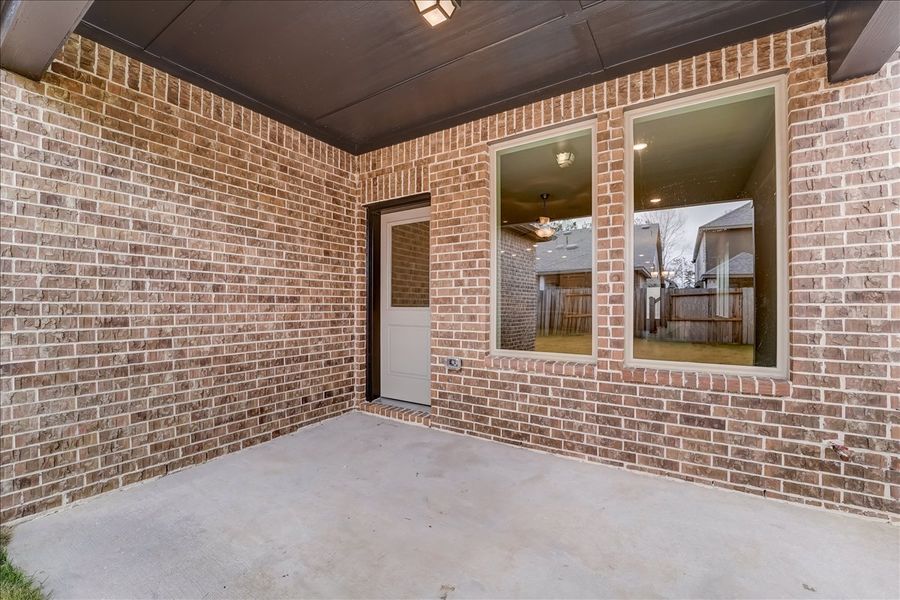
780,370
584,125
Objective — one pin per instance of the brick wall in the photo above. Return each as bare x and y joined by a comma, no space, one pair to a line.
518,292
180,278
758,435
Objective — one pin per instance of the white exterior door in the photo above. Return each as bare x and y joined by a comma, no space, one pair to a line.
405,308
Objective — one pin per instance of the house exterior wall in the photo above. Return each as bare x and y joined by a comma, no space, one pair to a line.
701,266
180,278
518,292
725,244
183,278
755,434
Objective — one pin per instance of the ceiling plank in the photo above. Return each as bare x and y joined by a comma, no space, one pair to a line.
860,37
33,32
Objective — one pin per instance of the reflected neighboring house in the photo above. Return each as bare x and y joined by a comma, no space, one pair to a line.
566,261
563,270
738,270
724,250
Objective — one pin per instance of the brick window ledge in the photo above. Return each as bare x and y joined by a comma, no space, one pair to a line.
709,382
546,366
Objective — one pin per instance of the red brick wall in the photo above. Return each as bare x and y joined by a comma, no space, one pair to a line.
180,278
757,435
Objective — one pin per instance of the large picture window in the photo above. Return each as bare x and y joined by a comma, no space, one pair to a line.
705,237
544,244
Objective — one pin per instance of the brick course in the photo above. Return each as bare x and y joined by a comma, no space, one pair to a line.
183,278
754,434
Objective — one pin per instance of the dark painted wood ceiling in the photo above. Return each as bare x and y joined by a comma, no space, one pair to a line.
366,74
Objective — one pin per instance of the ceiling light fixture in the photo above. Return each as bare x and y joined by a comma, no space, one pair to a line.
655,200
640,146
436,11
544,229
565,159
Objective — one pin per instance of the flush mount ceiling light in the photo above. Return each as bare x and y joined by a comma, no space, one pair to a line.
655,200
436,11
640,146
565,159
543,228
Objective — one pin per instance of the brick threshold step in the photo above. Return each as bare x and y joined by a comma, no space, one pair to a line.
408,414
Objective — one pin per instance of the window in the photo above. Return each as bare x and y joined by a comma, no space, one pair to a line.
409,265
543,254
705,232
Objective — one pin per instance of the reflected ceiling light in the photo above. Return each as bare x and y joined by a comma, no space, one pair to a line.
543,228
640,146
436,11
565,159
655,200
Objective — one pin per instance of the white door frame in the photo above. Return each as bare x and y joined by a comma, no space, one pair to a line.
410,381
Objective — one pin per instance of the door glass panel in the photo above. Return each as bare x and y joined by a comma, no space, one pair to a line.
409,265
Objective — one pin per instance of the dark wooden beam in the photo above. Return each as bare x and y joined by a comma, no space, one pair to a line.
861,35
31,33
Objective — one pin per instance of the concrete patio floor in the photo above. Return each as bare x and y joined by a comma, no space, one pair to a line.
360,506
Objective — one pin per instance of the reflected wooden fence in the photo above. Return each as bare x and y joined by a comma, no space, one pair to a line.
564,311
695,315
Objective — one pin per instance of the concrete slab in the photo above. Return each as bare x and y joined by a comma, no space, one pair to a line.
364,507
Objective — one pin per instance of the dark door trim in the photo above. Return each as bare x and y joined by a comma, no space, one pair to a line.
373,276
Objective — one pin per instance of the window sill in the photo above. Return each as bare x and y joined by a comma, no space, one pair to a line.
550,364
760,385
